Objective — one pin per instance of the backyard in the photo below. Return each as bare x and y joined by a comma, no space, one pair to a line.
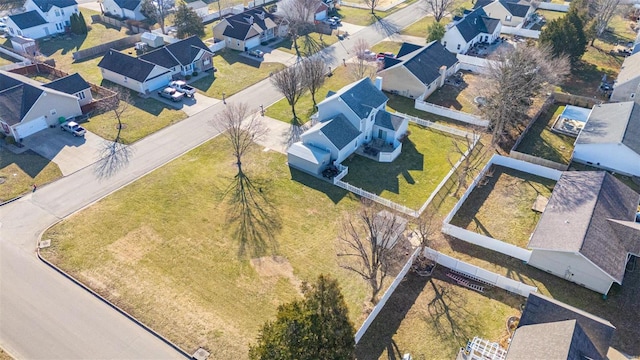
18,172
540,141
170,249
413,176
459,96
500,206
405,105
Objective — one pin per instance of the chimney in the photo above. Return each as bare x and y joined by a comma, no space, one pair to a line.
443,75
378,83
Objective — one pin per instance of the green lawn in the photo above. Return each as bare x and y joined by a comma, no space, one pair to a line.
501,207
550,15
167,250
307,44
6,59
235,73
412,177
460,97
419,28
407,106
386,46
363,17
542,142
19,172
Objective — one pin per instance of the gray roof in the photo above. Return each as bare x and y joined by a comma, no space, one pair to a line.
389,121
28,19
556,340
186,50
629,70
128,4
16,98
125,65
613,123
515,8
475,23
307,152
576,219
540,309
425,64
46,5
362,96
240,28
161,57
407,48
339,131
70,84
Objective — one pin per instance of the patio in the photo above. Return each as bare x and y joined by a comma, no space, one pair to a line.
377,149
484,50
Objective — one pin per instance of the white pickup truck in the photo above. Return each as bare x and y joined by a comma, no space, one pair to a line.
73,128
182,87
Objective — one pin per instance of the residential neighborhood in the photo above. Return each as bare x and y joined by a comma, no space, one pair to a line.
319,179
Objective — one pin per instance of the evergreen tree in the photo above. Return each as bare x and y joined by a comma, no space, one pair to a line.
82,24
435,32
74,23
188,22
565,36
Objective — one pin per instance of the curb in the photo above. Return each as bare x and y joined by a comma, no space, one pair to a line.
113,306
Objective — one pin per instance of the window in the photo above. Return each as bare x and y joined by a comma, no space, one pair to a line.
507,18
62,11
57,12
444,44
80,95
19,32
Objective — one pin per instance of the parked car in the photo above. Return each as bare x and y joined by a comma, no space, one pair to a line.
182,87
330,22
73,128
256,53
171,94
336,19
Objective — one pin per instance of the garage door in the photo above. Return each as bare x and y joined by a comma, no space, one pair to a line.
253,42
31,127
159,82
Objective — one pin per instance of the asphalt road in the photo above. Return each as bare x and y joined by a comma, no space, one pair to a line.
43,315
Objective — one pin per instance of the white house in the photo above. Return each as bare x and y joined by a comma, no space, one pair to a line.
509,12
417,71
42,18
26,106
128,9
200,7
587,230
354,116
473,27
248,29
627,85
611,138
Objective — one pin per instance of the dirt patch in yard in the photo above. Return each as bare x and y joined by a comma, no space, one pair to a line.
135,245
459,94
274,267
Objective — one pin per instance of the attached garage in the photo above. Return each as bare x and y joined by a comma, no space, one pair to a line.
307,158
30,127
251,43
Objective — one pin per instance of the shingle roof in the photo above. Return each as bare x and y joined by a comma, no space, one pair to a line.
556,340
475,23
407,48
540,309
362,96
186,50
239,28
46,5
388,121
161,57
515,8
16,98
629,70
125,65
28,19
482,3
613,123
128,4
339,131
425,64
576,219
70,84
307,152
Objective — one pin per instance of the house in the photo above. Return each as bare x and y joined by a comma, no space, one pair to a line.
627,85
74,85
550,329
248,29
321,11
417,71
587,231
611,138
354,116
26,106
127,9
200,7
42,18
509,12
473,27
313,12
155,69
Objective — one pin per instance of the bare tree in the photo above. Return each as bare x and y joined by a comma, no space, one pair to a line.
157,10
439,8
299,15
9,5
371,4
361,66
513,79
314,71
291,83
605,11
470,163
115,154
365,243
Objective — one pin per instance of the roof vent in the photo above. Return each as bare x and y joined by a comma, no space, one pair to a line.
249,19
261,15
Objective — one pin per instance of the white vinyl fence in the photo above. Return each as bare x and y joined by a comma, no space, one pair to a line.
450,113
553,7
12,54
473,63
528,33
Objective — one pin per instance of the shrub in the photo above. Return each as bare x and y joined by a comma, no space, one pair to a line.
195,73
10,140
187,77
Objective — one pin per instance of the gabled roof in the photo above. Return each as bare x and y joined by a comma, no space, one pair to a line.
161,57
308,152
125,65
613,123
576,219
475,23
361,97
28,19
389,121
46,5
407,48
127,4
70,84
630,69
338,130
239,27
16,98
515,8
540,309
555,340
425,62
186,50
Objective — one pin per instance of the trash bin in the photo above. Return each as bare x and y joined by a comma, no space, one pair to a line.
62,119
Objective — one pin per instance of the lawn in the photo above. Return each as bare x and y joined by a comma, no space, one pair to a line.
18,172
6,59
432,318
405,105
540,141
550,15
307,44
419,28
500,206
459,97
234,73
363,17
168,248
412,177
386,46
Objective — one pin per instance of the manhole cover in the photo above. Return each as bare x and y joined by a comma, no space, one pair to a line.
200,354
121,126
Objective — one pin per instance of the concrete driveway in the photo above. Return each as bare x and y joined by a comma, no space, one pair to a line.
68,152
190,106
271,55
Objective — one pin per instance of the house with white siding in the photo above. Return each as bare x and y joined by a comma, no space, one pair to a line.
42,18
249,29
473,27
126,9
509,12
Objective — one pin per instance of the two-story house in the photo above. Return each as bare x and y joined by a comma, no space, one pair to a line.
248,29
42,18
128,9
473,27
509,12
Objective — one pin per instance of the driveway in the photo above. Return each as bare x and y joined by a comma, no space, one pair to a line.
190,106
272,55
70,153
351,29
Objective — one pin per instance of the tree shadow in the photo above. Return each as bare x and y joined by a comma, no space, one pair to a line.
470,208
334,193
448,306
384,26
294,132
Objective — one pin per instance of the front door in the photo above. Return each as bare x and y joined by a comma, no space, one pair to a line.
382,134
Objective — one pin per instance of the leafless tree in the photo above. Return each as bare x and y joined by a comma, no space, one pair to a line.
365,243
314,71
361,66
157,10
9,5
605,11
513,79
291,83
371,4
299,15
114,154
438,8
470,163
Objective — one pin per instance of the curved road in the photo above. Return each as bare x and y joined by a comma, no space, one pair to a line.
43,315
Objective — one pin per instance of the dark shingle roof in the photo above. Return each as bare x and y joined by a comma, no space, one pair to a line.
613,123
46,5
339,131
556,340
576,219
389,62
240,28
125,65
482,3
70,84
128,4
160,57
28,20
361,97
407,48
516,9
475,23
16,99
388,121
425,65
186,50
541,309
